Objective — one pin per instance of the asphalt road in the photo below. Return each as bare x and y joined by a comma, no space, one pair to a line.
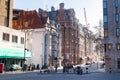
38,76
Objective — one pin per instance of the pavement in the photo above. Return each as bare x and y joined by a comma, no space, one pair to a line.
18,72
91,69
59,71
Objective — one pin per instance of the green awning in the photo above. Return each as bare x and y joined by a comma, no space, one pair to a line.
13,53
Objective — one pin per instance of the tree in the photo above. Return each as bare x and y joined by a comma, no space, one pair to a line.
99,39
99,30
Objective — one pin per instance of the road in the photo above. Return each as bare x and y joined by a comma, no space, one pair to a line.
38,76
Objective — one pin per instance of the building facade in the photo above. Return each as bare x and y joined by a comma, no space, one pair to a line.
88,45
12,47
43,34
6,8
111,34
30,23
82,44
70,33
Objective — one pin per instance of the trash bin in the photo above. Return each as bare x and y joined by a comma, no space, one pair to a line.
1,67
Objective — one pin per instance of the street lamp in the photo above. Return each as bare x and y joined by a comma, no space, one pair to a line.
24,47
26,25
64,46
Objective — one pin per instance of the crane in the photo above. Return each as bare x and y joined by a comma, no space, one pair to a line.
87,24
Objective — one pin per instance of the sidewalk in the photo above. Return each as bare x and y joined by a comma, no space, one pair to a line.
59,70
100,70
18,72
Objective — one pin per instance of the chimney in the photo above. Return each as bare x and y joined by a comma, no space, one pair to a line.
52,8
61,5
40,11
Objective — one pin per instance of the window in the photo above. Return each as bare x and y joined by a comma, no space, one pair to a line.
22,40
116,3
5,21
109,46
116,17
6,36
14,38
54,14
105,33
105,25
105,4
6,2
118,46
118,63
105,18
105,11
117,32
105,47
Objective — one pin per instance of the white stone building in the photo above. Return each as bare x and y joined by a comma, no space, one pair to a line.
12,47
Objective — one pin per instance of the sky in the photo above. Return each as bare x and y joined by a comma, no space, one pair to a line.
93,8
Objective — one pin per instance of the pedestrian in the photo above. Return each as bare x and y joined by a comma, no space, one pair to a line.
38,67
75,69
78,70
81,71
109,70
86,70
56,68
63,69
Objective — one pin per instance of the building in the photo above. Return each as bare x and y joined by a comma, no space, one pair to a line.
82,44
88,45
6,8
12,41
12,47
111,34
70,33
42,36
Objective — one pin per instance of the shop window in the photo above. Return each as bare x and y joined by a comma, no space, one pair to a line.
6,36
105,33
109,46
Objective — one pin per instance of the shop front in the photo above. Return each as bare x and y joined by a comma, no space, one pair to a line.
10,57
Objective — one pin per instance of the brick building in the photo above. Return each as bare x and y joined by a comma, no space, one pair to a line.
26,20
70,33
6,8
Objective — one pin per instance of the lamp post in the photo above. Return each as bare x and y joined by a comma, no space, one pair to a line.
24,47
25,30
64,46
